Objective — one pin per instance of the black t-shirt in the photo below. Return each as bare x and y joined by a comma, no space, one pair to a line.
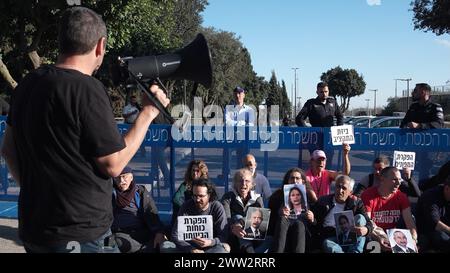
61,120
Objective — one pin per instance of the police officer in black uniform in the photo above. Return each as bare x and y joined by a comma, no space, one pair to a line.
321,110
423,114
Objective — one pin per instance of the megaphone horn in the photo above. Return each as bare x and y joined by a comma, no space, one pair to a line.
193,62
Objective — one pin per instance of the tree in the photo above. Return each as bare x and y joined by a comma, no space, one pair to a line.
277,95
345,83
285,103
392,106
432,15
273,97
28,29
231,67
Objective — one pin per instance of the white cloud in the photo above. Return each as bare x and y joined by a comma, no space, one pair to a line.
373,2
443,42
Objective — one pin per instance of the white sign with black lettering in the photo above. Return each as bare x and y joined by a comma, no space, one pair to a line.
404,160
342,134
190,227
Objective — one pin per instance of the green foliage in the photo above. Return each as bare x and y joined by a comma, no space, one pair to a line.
278,96
135,28
392,106
432,15
231,67
345,83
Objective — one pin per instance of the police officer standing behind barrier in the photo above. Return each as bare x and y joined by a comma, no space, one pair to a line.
321,110
423,113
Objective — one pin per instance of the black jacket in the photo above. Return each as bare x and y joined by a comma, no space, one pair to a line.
147,211
320,115
430,115
325,203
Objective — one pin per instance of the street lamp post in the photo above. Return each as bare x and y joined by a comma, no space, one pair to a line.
299,103
368,102
396,87
292,97
295,90
407,91
374,101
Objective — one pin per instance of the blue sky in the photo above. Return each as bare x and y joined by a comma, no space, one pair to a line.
375,37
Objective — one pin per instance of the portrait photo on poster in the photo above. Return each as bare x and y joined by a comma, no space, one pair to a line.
401,241
295,199
256,223
345,222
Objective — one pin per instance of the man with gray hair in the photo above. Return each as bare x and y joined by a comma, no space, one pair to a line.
341,200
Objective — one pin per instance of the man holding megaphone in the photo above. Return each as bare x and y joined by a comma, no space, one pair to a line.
62,144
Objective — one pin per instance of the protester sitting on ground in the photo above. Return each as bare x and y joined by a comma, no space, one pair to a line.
408,186
136,226
386,205
203,202
290,235
262,185
196,169
341,200
236,203
321,178
435,180
433,217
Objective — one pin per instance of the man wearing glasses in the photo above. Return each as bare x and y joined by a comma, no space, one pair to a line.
203,202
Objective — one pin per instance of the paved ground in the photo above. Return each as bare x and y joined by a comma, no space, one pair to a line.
9,238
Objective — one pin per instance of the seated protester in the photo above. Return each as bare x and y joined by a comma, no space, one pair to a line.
136,226
236,202
435,180
341,200
386,205
203,202
290,234
262,186
196,169
372,179
321,178
433,217
408,186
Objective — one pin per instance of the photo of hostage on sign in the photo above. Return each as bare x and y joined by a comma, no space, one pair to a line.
256,223
401,241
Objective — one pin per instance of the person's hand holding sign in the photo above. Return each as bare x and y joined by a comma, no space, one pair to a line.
202,242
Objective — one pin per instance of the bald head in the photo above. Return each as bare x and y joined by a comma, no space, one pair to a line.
249,162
